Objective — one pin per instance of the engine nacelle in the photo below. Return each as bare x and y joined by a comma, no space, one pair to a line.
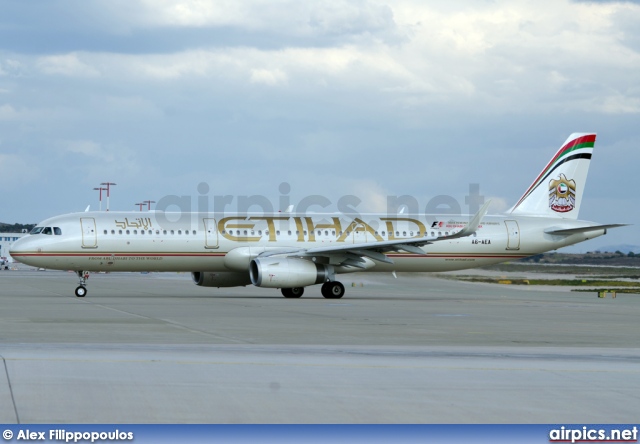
221,279
287,272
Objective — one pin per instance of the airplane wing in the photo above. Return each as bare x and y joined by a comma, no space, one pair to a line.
353,253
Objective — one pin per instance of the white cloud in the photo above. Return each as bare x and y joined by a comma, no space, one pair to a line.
268,77
8,112
67,65
99,159
16,170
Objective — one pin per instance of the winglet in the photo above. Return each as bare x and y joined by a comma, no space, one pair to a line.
473,224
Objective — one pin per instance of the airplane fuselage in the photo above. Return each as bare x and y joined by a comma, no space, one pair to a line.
133,241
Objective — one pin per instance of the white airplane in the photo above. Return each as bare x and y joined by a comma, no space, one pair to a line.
290,251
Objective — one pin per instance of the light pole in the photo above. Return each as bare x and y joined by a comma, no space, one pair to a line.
101,190
149,202
140,205
108,184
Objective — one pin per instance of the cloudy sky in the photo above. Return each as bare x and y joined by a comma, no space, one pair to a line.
334,97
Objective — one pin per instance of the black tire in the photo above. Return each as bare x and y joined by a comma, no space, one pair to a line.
295,292
81,291
332,290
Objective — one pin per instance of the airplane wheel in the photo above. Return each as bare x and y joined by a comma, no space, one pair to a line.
295,292
332,290
81,291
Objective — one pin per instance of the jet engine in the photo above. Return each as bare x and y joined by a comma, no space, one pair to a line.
287,272
221,279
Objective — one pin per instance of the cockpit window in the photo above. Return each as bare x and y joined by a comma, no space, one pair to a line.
36,230
46,230
57,231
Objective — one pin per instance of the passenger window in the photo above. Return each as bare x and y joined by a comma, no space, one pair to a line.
57,231
119,231
47,230
141,231
278,232
105,231
135,231
113,231
172,232
128,232
289,232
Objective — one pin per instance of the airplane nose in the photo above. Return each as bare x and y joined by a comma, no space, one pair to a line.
20,248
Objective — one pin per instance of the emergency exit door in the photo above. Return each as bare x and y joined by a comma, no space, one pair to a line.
513,235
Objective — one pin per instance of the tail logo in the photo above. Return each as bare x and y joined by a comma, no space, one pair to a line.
562,194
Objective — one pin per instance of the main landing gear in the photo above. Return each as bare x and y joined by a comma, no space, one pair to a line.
330,290
295,292
81,290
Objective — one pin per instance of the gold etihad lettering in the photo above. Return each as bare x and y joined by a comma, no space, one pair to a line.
420,230
140,222
312,234
359,226
270,225
227,225
222,229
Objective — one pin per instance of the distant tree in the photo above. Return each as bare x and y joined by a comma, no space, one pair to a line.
631,254
15,228
619,253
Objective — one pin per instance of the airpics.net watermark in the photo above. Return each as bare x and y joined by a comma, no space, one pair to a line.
347,205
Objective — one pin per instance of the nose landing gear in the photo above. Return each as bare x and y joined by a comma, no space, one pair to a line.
81,290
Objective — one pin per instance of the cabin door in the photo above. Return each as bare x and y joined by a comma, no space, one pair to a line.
89,234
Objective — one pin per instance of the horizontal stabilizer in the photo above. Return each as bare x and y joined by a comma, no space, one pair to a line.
568,231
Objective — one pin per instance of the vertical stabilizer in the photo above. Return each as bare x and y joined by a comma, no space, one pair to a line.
558,189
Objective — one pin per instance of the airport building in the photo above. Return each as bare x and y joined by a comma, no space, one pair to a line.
6,240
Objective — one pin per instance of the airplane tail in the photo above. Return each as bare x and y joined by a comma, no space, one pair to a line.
558,189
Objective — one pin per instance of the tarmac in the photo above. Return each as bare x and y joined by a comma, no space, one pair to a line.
155,348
